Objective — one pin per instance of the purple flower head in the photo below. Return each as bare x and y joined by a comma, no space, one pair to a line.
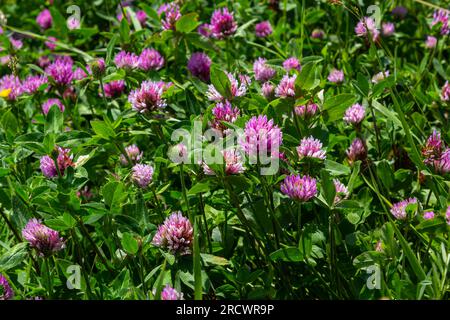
443,165
336,76
141,16
292,63
49,103
178,153
267,90
433,148
428,215
299,188
114,88
16,43
261,137
366,27
398,210
169,293
317,34
61,71
233,163
150,59
399,12
79,74
64,160
51,44
262,71
148,97
341,191
442,17
44,19
98,67
32,83
431,42
263,29
222,24
355,114
133,153
447,215
356,151
126,60
170,14
6,292
13,83
199,66
286,87
387,29
445,94
205,30
45,240
380,76
43,61
176,234
311,148
73,23
223,111
306,111
142,175
238,88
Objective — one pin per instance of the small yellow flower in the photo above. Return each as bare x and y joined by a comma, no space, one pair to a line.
5,92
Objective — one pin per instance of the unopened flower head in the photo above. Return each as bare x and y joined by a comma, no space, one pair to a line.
306,111
98,67
262,71
267,90
387,29
169,293
222,23
73,23
141,16
6,292
445,94
126,60
433,148
233,163
142,175
398,210
292,63
133,153
341,191
380,76
431,42
238,89
447,215
336,76
148,97
44,19
302,188
150,59
46,241
114,88
428,215
311,148
356,151
199,66
317,34
176,234
49,103
286,87
263,29
399,12
355,114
